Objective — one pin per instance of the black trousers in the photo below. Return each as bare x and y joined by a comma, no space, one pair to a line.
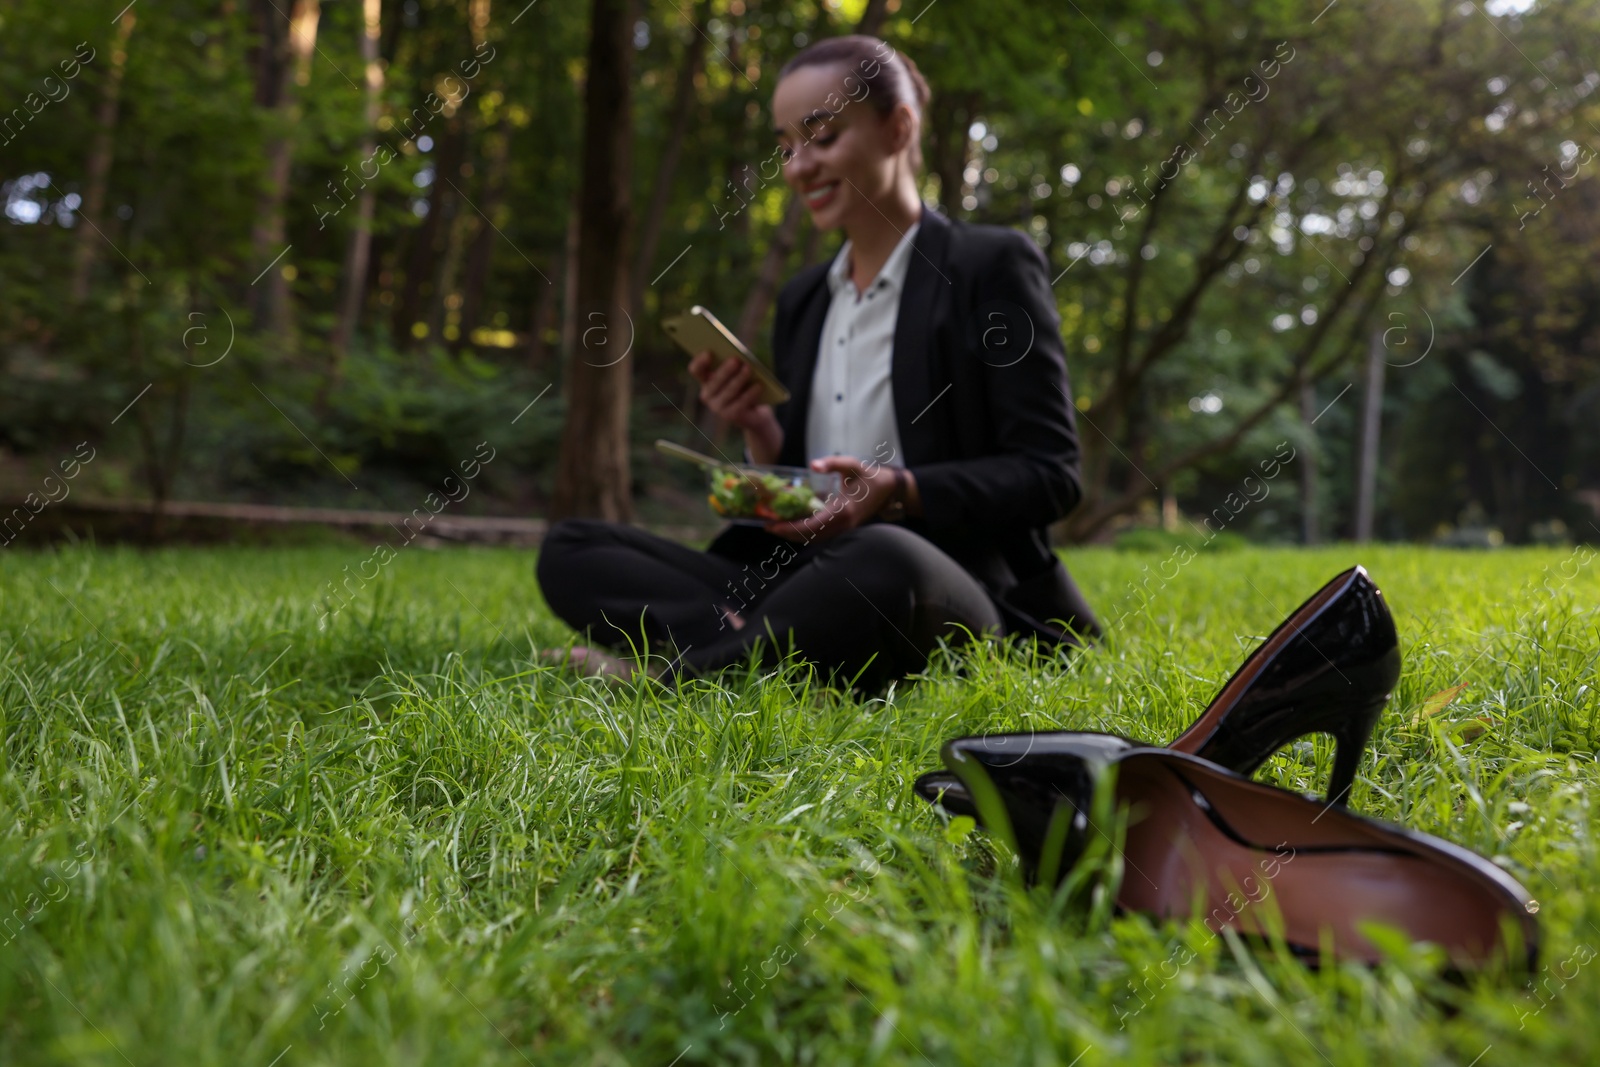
870,604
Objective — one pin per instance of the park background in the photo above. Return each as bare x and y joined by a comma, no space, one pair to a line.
272,804
295,252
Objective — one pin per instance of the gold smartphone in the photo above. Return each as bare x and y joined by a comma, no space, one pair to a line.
697,330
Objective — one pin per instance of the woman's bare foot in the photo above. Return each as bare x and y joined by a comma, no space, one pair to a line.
593,663
590,662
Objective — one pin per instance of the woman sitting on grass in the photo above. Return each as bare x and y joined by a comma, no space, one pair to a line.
925,366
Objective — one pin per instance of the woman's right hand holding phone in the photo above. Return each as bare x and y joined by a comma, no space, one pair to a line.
734,395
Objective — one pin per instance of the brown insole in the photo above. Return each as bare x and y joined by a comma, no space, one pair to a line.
1200,731
1331,873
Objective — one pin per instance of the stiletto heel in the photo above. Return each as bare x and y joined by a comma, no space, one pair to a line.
1350,738
1328,668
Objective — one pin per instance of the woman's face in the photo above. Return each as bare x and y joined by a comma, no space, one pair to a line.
841,154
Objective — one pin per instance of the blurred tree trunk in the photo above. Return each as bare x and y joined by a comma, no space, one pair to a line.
100,152
445,303
381,264
162,459
683,108
569,288
592,476
872,17
166,408
770,274
1309,519
478,21
287,43
950,117
1367,447
480,253
424,251
546,305
448,318
455,217
360,248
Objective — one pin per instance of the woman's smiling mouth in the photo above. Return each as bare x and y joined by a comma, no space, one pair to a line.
820,196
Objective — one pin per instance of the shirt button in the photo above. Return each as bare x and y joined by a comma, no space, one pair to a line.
839,396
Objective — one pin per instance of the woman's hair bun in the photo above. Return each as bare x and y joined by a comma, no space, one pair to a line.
890,77
919,84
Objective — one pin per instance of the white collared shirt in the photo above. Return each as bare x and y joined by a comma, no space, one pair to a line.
852,394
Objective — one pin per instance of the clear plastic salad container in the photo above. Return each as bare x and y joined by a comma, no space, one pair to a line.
755,495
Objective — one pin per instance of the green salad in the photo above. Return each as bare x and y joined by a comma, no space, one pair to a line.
752,494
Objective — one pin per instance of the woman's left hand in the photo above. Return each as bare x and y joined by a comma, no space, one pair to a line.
867,488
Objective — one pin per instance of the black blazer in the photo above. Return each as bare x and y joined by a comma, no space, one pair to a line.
982,406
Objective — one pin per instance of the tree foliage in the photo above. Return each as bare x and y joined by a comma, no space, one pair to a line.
1236,197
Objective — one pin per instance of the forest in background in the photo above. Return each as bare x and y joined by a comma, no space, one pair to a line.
1324,270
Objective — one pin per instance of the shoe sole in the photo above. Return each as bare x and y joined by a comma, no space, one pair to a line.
1258,859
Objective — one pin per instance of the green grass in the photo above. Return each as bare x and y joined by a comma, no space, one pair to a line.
231,835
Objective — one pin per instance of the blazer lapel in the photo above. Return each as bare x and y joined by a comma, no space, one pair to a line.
807,337
914,372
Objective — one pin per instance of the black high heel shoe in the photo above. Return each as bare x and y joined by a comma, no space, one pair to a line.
1250,856
1328,668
